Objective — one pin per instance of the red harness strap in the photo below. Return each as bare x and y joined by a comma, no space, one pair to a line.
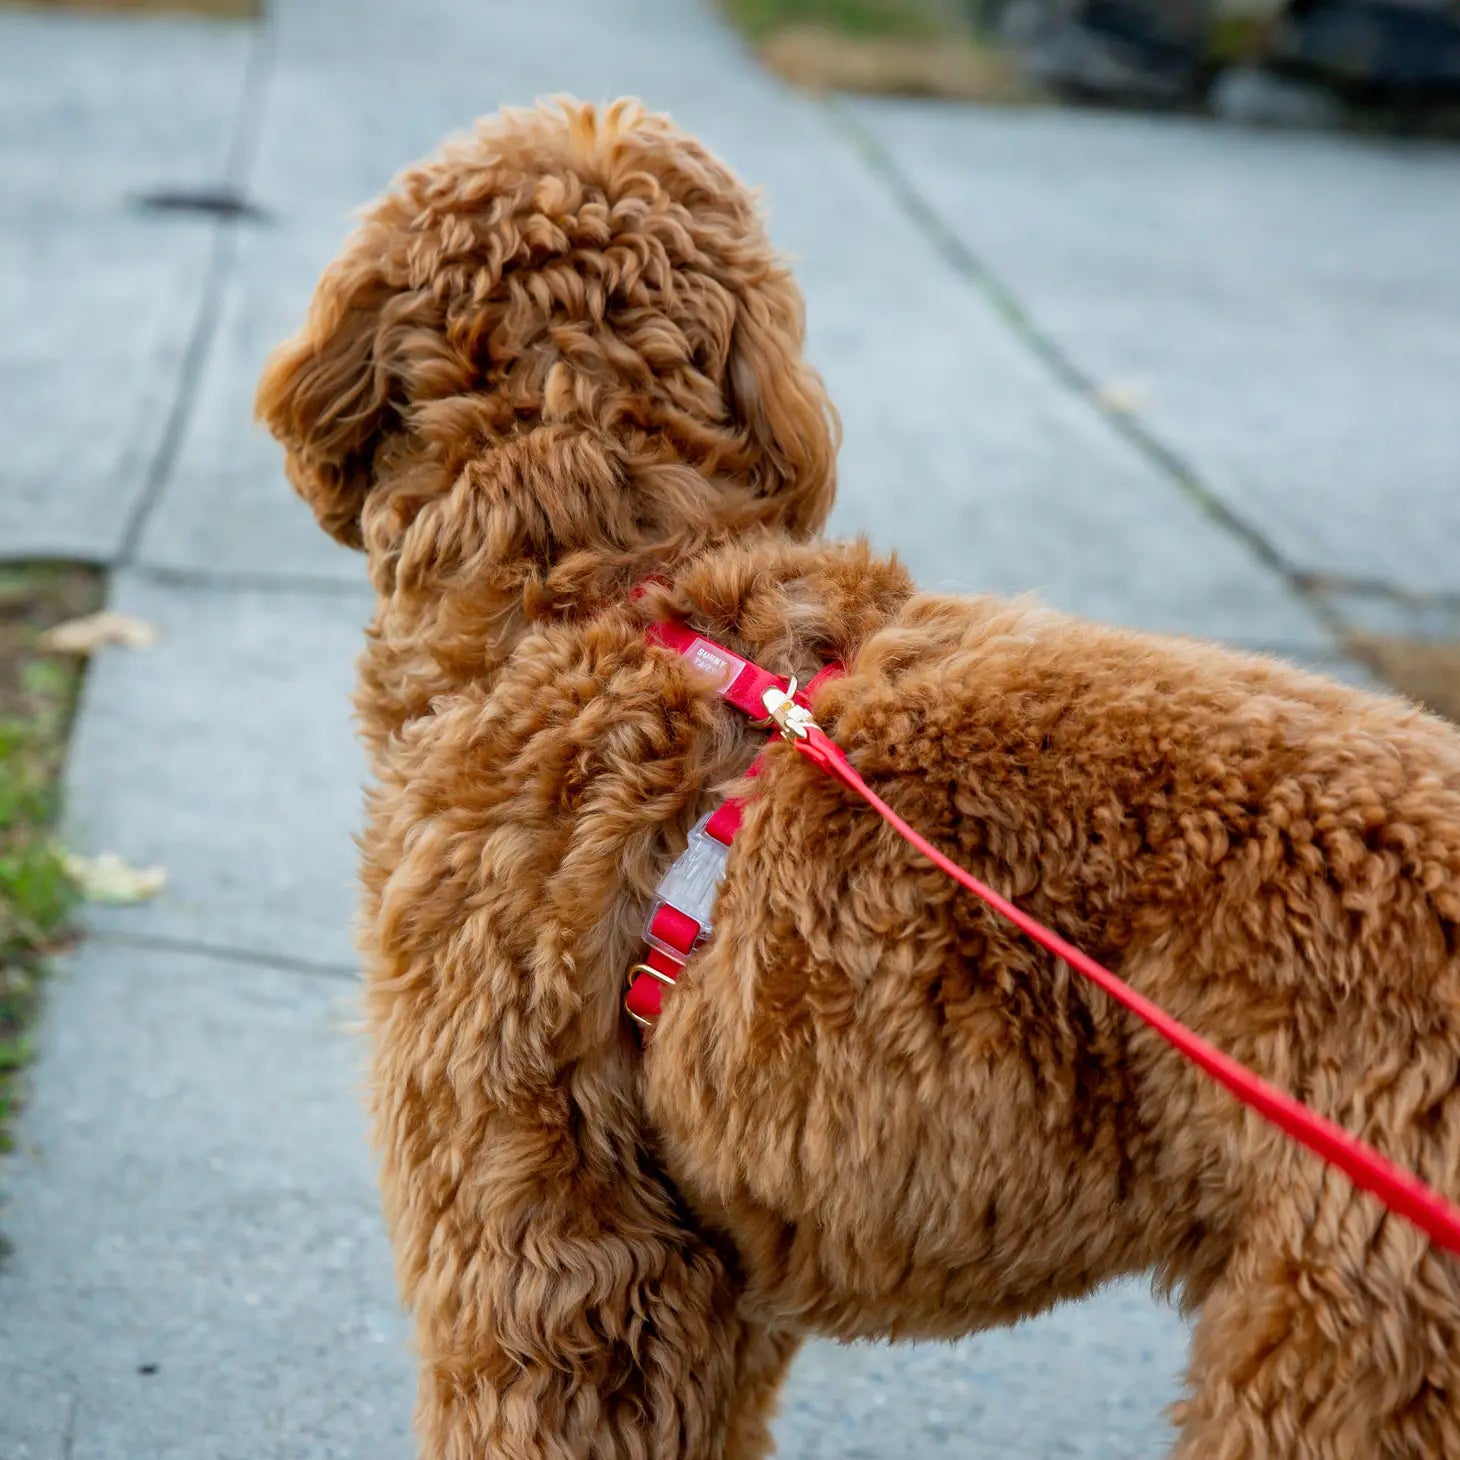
676,934
673,929
739,682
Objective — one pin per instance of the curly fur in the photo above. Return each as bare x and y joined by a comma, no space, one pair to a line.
561,357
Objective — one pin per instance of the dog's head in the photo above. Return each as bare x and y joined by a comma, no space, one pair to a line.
571,284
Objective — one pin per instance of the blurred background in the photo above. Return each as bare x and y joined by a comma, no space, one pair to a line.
1149,308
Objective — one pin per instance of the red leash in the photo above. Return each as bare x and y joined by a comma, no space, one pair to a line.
752,689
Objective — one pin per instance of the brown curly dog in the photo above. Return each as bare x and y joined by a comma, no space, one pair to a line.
561,358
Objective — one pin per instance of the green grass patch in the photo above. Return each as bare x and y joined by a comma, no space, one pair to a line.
37,700
865,19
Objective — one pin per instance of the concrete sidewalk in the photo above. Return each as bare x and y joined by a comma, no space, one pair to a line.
198,1268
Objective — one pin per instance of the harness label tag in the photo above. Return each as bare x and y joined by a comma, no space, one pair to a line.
718,665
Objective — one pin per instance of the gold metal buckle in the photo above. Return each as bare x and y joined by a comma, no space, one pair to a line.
793,721
653,972
792,690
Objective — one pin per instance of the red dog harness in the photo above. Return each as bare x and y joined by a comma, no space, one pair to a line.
682,913
680,917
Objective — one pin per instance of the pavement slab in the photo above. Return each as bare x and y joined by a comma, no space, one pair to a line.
100,300
225,754
226,507
1274,304
109,107
103,393
197,1266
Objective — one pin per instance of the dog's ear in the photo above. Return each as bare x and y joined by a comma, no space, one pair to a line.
782,405
329,394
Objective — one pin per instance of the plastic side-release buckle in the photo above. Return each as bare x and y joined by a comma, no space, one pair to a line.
690,884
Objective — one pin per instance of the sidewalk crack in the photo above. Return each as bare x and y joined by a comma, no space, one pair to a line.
1397,593
238,165
68,1429
229,580
221,953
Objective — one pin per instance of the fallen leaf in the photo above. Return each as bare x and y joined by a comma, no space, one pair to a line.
1124,397
107,626
111,879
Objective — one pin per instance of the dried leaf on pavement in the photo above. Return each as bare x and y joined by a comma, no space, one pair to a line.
91,632
111,879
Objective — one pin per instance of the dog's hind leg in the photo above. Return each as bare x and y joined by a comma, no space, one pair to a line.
762,1360
1337,1340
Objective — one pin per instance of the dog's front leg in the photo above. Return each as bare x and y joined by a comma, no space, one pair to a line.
565,1304
563,1307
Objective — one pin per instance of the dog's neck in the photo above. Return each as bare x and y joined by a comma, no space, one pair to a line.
557,520
554,524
